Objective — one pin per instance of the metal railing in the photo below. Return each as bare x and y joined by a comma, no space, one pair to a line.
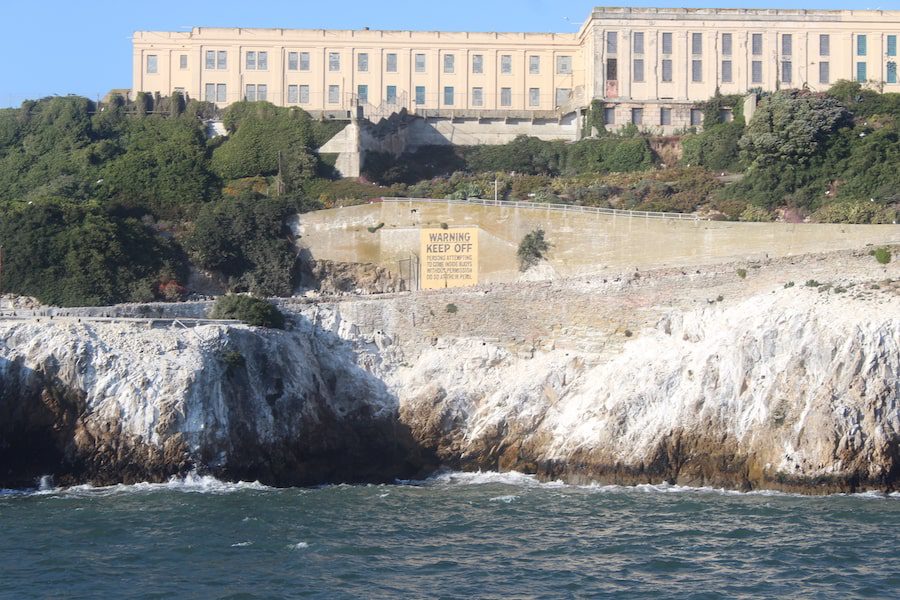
570,208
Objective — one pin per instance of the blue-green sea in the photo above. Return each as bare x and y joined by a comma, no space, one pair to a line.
455,535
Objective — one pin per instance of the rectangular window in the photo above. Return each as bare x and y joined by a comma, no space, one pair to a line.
534,65
477,96
152,63
892,72
861,72
756,71
222,92
250,61
362,93
263,62
612,42
391,63
506,64
534,97
304,94
334,94
612,69
726,44
262,92
824,44
420,63
787,44
860,45
564,65
696,117
609,115
667,70
824,75
478,63
362,62
449,95
637,116
696,71
420,94
304,61
210,95
696,44
638,70
222,59
183,62
293,62
210,59
250,93
892,45
449,63
506,97
726,71
562,96
334,61
667,43
756,44
638,42
390,94
293,94
665,116
786,71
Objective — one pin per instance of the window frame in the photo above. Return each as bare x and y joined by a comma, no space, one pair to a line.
152,64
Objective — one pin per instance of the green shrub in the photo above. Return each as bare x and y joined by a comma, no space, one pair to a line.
252,311
756,214
742,273
452,308
883,256
375,228
812,283
532,249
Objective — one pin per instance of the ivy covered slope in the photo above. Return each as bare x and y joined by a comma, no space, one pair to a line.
113,203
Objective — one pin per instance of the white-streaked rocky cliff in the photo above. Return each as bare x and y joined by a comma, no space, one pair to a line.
700,378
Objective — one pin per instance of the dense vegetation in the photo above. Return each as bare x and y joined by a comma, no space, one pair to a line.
117,202
113,203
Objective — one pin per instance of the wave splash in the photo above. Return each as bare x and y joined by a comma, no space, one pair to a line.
193,482
523,480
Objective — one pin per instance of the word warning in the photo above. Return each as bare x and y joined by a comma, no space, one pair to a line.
449,258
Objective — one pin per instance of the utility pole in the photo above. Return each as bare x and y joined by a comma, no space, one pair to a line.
496,189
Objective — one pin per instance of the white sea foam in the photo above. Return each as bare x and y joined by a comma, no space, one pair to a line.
506,499
241,544
517,479
190,483
299,546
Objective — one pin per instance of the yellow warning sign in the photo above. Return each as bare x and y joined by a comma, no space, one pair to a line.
449,258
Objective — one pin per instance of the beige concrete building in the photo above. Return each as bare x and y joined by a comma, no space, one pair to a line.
650,66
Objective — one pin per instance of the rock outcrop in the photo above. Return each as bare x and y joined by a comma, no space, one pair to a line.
632,378
106,403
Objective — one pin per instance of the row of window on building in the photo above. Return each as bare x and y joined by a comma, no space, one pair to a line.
665,116
756,44
300,94
726,73
300,61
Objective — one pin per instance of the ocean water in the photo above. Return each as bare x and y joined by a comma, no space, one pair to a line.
455,535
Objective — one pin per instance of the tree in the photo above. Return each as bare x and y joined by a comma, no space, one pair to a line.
531,249
252,311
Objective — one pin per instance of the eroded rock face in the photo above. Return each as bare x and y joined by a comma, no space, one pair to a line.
339,278
788,389
106,403
769,393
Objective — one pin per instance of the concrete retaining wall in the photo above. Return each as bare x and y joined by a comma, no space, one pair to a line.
581,243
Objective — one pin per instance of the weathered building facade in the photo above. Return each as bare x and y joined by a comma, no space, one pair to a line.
648,66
